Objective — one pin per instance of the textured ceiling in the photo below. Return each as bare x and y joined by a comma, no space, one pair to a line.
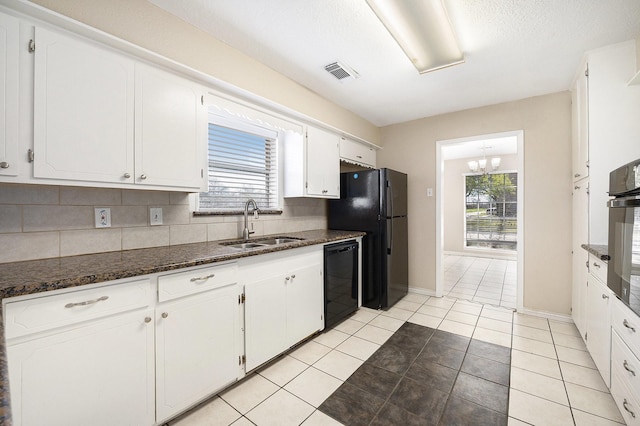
514,49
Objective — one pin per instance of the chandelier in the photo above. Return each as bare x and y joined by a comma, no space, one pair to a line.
480,165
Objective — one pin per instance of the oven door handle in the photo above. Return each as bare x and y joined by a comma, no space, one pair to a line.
624,202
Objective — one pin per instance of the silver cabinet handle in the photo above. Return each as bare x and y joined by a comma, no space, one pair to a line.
143,177
576,187
625,364
126,175
604,296
147,320
287,278
206,277
625,404
4,165
165,314
626,324
293,276
86,302
576,175
596,265
359,156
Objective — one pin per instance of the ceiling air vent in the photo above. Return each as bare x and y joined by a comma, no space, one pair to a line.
341,71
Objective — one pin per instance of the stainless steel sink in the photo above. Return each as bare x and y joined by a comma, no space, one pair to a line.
257,243
245,245
278,240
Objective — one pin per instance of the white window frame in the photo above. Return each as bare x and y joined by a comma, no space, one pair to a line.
262,132
245,117
464,220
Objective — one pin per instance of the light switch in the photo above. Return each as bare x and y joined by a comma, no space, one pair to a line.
429,192
103,217
155,216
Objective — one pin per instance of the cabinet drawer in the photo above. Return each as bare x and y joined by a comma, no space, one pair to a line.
48,312
625,400
179,284
627,324
598,268
625,364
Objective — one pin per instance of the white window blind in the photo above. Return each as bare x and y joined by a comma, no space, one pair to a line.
242,165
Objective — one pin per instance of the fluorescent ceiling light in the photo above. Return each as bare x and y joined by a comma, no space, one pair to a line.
423,31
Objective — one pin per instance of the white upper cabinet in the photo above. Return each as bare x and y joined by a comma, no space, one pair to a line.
357,153
8,95
170,130
323,163
613,126
580,124
312,165
102,117
83,117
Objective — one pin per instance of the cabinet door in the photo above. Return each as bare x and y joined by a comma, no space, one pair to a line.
197,348
599,326
580,126
323,163
305,304
355,152
580,256
83,110
171,130
8,95
265,320
98,374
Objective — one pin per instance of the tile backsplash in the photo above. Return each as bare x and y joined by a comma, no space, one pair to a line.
43,221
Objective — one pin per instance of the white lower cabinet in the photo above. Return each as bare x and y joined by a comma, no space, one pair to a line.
283,302
197,348
140,351
598,326
625,365
97,372
580,257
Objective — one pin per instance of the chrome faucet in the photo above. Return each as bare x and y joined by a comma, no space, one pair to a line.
246,232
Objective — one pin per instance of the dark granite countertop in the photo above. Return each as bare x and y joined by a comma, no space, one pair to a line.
599,250
35,276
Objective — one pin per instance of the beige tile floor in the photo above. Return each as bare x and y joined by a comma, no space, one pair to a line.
553,379
479,279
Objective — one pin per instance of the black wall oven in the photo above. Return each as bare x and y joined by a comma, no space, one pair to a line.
624,234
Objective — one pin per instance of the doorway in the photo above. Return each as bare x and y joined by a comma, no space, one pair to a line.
479,218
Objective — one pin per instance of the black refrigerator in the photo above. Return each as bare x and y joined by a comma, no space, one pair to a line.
375,201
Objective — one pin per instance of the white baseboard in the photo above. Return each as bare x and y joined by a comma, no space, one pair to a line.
548,315
492,254
422,291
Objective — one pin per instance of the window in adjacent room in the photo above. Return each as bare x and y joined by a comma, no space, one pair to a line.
243,164
491,210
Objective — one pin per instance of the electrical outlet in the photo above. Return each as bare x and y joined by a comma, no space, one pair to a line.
103,217
155,216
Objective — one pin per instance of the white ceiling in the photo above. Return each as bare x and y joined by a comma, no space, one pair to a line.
514,49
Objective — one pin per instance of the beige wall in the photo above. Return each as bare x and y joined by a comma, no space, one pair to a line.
638,53
546,121
453,200
144,24
41,221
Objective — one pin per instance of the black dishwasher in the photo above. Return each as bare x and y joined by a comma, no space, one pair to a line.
340,281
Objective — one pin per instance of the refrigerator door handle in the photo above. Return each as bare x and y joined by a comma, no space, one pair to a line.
390,202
